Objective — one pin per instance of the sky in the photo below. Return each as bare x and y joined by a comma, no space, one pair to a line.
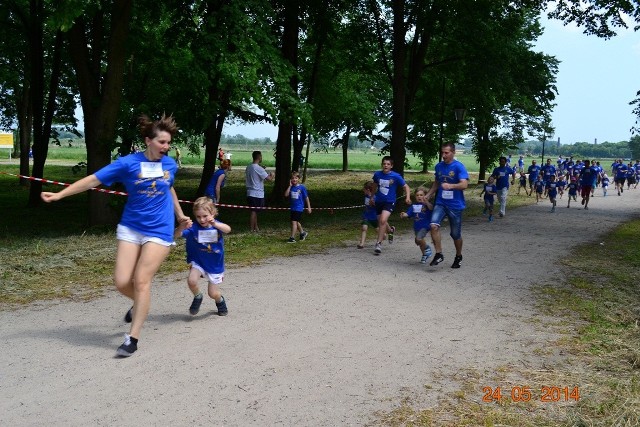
596,80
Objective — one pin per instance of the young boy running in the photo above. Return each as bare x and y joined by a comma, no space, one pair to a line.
489,192
421,214
299,197
387,181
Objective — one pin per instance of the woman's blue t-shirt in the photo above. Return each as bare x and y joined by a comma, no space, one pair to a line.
149,209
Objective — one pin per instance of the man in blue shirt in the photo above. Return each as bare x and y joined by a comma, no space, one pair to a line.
533,171
451,179
501,175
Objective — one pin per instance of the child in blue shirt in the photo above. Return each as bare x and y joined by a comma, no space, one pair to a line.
522,183
573,191
205,253
299,197
369,215
490,190
605,184
539,187
421,214
552,191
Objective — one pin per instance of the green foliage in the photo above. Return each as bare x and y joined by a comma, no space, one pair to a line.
634,147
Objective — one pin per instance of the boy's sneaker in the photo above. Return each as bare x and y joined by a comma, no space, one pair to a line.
128,317
456,261
303,235
128,347
427,251
437,259
360,246
291,240
195,305
423,259
393,230
222,307
378,249
490,218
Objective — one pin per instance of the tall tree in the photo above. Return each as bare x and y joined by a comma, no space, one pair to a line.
98,40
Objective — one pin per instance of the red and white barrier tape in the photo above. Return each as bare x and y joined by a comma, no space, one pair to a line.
122,193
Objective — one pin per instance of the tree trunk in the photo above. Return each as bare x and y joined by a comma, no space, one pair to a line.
345,149
398,115
212,136
286,121
100,92
483,154
25,128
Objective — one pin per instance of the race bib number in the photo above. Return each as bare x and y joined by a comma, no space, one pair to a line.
417,208
501,174
447,194
151,170
208,236
295,195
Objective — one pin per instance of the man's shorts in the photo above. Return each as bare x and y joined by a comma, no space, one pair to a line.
455,219
585,190
255,202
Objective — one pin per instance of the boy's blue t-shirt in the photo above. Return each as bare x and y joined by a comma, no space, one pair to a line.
605,182
205,247
211,187
489,188
553,189
149,209
297,196
539,185
369,212
573,188
421,216
387,186
451,173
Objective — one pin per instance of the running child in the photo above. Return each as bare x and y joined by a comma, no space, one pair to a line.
489,191
369,217
522,183
421,214
552,191
299,197
604,183
205,253
573,191
388,182
538,185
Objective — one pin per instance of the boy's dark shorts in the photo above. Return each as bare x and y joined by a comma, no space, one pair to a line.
370,222
255,202
384,207
296,215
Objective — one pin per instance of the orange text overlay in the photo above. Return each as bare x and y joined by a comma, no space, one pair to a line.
526,394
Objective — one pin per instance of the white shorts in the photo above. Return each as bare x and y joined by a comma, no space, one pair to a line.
126,234
215,278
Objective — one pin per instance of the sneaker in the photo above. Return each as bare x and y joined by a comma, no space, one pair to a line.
501,215
222,307
128,347
291,240
622,190
586,207
427,251
378,249
303,235
437,259
129,316
582,201
195,305
393,230
456,261
423,259
360,246
490,218
553,209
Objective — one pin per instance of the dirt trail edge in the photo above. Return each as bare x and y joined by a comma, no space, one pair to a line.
320,340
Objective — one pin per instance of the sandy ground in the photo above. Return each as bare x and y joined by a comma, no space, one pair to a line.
323,340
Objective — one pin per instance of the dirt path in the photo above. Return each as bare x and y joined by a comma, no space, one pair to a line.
321,340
